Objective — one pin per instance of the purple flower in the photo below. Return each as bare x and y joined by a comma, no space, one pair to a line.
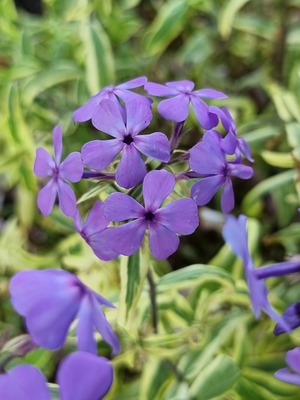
113,93
81,376
235,234
177,107
291,374
291,317
209,162
98,154
70,169
164,224
50,300
93,231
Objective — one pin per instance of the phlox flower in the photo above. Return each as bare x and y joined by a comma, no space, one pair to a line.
291,316
112,93
70,169
209,162
98,154
80,376
181,94
164,224
291,374
51,299
235,235
93,231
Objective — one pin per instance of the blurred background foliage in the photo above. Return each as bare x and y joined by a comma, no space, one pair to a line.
208,344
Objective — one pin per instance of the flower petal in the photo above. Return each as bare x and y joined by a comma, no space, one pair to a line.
180,216
98,154
67,199
57,143
120,206
100,245
108,119
46,197
291,316
157,186
43,163
292,359
239,170
207,120
162,241
227,199
208,93
84,376
285,375
133,83
71,168
204,190
139,116
156,89
85,112
182,86
131,169
155,145
85,327
176,108
96,221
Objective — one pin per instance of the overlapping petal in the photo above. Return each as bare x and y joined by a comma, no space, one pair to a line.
138,116
86,111
98,154
182,86
162,241
131,169
71,168
156,89
85,327
43,163
175,108
66,198
206,157
203,191
109,120
206,119
155,145
120,206
227,199
157,186
46,197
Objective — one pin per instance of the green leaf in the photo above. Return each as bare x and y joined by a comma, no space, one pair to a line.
227,15
293,134
277,159
155,377
216,378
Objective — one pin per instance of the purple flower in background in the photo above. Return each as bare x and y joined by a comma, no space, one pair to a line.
98,154
291,374
113,93
291,317
70,169
177,107
235,234
209,162
164,224
50,300
93,231
81,376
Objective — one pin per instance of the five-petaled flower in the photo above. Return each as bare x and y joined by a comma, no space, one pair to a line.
70,169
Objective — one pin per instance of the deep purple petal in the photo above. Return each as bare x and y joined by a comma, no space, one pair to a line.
285,375
96,221
203,191
227,199
57,143
43,163
101,246
138,115
182,86
207,120
239,170
107,118
131,169
133,83
156,89
120,206
67,199
98,154
229,143
208,93
292,359
180,216
155,145
157,186
175,109
104,328
84,376
24,382
245,149
291,316
85,327
126,239
85,112
46,197
162,241
71,168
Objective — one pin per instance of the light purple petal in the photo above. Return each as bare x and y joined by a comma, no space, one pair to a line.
157,186
285,375
126,239
133,83
208,93
131,169
175,109
57,143
239,170
108,119
98,154
85,327
182,86
229,143
104,328
96,220
19,382
235,234
207,158
180,216
227,199
84,376
204,190
207,120
139,117
156,89
155,145
43,163
101,246
245,149
77,221
71,168
46,197
120,206
127,97
85,112
67,199
292,359
162,241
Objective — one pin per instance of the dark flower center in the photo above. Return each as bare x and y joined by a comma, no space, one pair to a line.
128,139
149,216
